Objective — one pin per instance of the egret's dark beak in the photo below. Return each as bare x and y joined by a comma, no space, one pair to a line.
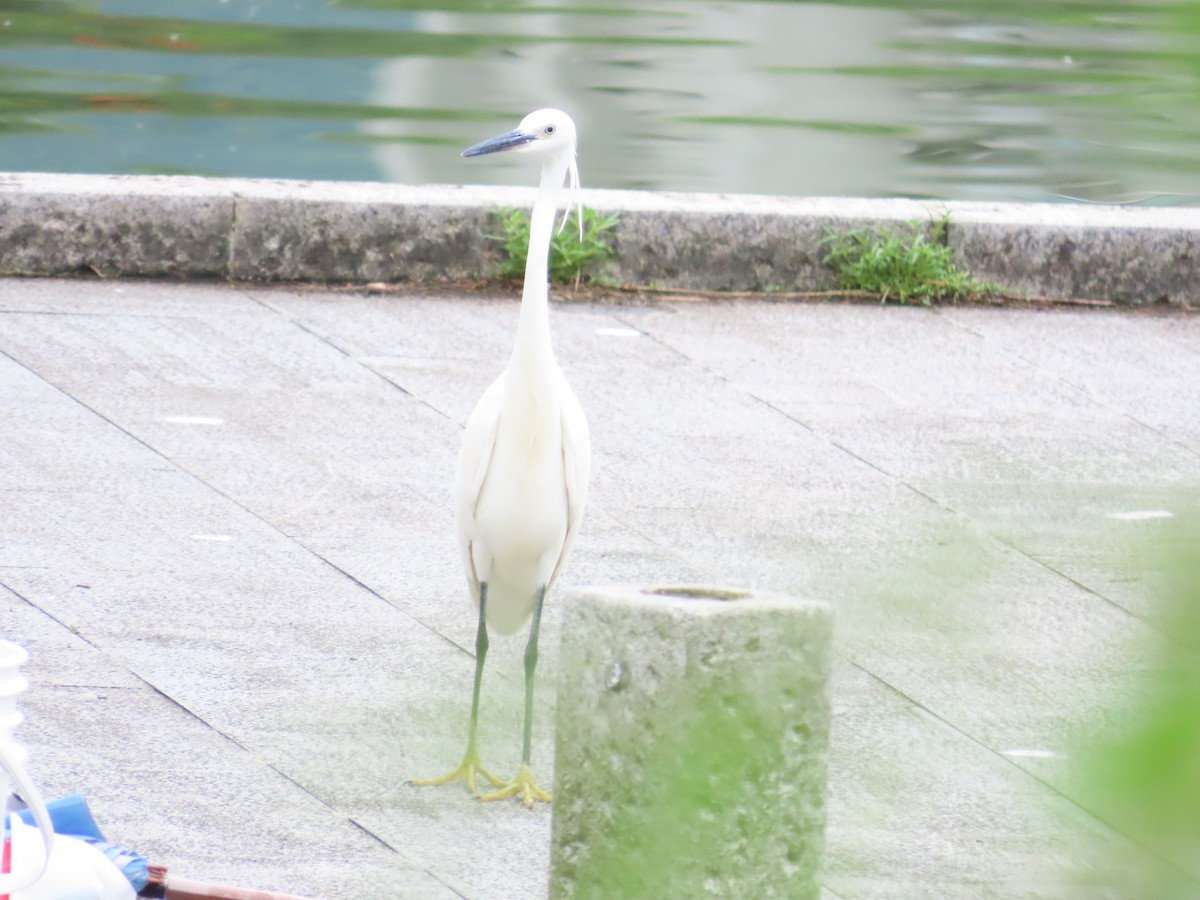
508,141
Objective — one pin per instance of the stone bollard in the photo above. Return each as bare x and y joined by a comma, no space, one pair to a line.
690,759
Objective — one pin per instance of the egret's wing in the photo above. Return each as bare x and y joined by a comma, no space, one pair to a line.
474,461
577,462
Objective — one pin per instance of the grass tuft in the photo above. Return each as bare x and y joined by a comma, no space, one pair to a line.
571,260
901,267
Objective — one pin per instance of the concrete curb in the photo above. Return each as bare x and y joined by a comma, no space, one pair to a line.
337,232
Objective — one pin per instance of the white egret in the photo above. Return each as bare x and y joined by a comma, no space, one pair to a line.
523,465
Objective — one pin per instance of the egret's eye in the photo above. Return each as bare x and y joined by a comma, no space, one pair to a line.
549,129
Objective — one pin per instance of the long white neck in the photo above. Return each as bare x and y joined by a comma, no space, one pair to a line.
533,330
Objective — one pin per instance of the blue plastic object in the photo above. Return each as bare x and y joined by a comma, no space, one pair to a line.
70,815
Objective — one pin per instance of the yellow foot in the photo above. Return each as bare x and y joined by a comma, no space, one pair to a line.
523,784
466,771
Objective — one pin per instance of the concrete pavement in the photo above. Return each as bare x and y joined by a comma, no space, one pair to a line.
227,543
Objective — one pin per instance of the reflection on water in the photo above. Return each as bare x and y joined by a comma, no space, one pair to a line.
1021,99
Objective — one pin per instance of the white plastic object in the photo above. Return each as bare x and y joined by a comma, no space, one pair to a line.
76,869
12,770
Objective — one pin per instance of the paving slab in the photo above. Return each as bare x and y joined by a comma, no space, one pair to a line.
253,487
262,648
160,777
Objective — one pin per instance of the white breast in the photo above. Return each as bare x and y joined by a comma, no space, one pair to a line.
517,525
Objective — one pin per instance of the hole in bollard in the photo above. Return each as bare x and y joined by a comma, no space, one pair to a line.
696,593
616,677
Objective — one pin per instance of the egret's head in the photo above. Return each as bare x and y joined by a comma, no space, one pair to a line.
548,134
543,133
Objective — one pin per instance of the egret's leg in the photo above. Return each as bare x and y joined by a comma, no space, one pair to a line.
471,765
481,649
524,784
531,658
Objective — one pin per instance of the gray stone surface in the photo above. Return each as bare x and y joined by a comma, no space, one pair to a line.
261,230
327,232
226,511
691,741
114,225
1140,262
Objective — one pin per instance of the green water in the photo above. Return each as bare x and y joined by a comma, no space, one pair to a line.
955,99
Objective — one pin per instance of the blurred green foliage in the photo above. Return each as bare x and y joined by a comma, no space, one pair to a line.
1143,777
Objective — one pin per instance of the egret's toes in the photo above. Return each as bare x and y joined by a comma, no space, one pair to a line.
466,771
523,785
